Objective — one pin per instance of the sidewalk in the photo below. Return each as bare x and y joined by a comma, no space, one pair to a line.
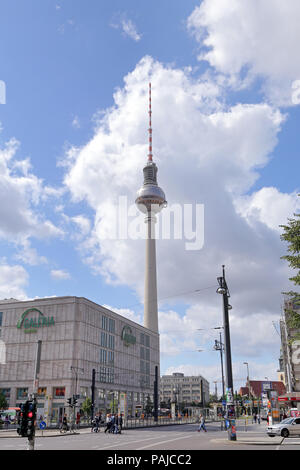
46,433
252,434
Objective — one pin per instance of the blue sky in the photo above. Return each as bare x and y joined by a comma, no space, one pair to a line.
225,134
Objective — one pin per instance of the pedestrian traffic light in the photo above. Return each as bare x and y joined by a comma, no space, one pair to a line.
74,400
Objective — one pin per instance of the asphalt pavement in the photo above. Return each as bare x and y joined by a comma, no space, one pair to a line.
173,437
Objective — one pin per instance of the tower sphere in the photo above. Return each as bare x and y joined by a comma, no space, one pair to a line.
150,197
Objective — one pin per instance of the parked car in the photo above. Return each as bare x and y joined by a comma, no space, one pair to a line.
287,427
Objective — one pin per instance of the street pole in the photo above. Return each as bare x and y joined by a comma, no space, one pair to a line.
248,382
31,439
223,289
156,395
93,393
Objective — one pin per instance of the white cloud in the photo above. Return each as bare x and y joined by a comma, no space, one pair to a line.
127,26
130,30
249,39
213,373
76,122
268,206
22,194
13,280
126,313
206,153
60,274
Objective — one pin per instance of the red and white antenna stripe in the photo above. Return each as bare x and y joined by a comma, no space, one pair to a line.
150,126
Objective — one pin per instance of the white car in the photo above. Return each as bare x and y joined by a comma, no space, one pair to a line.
287,427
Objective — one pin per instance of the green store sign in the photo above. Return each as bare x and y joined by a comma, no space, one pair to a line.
31,325
127,336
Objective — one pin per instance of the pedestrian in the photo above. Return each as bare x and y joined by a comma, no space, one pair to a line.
112,424
255,417
64,426
202,424
120,423
78,417
108,423
258,418
7,421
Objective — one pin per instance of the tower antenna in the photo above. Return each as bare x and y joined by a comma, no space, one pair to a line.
150,126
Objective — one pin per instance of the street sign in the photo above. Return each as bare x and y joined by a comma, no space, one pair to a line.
42,425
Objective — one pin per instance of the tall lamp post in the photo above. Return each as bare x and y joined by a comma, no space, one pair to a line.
223,290
248,382
219,346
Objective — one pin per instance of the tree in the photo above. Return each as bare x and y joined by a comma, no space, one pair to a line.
3,402
291,235
87,406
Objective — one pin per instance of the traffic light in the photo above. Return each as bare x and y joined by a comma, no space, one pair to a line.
27,419
75,400
70,402
31,418
22,420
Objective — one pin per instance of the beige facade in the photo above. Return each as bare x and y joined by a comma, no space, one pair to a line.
184,389
77,336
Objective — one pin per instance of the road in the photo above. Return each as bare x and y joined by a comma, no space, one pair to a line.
177,437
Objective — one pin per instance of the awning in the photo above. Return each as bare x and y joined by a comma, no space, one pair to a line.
292,396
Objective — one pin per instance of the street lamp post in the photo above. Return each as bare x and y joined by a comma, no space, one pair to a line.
223,289
219,346
248,382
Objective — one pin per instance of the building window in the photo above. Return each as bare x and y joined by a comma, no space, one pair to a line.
103,339
106,374
104,323
5,392
22,393
111,342
108,324
59,392
103,356
84,392
142,338
110,357
111,325
42,391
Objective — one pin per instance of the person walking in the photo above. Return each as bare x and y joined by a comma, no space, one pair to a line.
202,424
108,423
113,424
78,417
120,423
258,418
64,426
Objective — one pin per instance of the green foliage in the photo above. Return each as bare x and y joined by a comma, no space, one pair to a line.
3,402
291,235
87,406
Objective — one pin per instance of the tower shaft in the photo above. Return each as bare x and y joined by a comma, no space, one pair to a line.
150,295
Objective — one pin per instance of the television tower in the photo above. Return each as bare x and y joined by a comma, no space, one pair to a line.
150,200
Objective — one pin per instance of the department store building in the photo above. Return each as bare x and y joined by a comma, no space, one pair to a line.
77,336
